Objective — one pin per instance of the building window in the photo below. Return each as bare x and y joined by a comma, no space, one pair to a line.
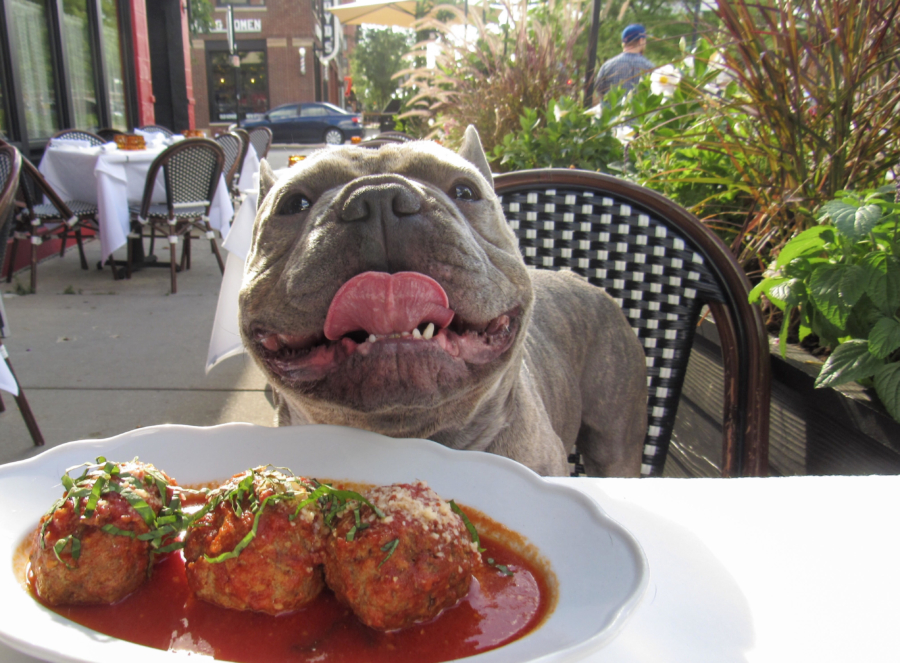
31,43
237,93
80,63
4,117
112,59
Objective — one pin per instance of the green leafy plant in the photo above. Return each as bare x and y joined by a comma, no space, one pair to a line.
492,75
563,136
807,109
377,57
840,280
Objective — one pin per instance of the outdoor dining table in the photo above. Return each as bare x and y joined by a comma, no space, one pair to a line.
115,179
777,569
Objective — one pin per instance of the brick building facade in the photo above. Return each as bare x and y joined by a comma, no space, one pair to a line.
277,45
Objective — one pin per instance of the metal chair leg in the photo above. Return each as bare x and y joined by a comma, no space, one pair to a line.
34,253
173,258
30,422
12,259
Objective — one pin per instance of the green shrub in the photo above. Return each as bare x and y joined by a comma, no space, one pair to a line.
563,136
841,280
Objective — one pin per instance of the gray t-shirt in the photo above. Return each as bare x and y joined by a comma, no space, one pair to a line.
624,69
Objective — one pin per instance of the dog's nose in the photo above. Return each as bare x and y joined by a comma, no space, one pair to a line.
377,201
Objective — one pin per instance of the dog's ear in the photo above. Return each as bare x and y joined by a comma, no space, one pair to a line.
472,152
266,179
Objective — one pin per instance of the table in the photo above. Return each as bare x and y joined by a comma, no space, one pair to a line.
745,570
113,179
225,340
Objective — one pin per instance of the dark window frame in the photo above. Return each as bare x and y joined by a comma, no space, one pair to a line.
11,74
221,46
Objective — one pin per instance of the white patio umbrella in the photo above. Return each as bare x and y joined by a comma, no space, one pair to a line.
400,13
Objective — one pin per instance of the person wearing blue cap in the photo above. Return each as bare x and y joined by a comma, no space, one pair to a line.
626,68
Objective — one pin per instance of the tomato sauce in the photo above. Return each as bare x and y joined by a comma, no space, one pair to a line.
497,610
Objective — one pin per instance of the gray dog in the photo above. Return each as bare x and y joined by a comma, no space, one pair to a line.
384,290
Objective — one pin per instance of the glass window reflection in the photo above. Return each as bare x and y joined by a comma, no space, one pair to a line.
112,58
80,63
31,41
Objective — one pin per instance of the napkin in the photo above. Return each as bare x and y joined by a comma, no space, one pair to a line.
7,381
152,138
109,147
71,143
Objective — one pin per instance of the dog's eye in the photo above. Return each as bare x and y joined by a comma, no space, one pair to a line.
294,204
464,192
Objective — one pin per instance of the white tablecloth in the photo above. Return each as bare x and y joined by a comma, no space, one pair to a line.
225,340
7,380
114,179
754,570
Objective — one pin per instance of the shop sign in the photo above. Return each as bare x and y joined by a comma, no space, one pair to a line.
240,25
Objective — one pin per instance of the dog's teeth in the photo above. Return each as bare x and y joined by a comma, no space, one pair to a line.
429,331
404,334
372,338
416,333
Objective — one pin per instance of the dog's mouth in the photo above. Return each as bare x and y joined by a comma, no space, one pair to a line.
398,317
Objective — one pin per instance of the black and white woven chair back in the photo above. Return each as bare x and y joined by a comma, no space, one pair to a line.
80,134
596,226
191,170
231,145
157,129
34,189
261,140
10,163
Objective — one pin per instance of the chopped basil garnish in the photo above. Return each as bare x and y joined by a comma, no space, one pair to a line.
389,548
102,477
468,523
331,501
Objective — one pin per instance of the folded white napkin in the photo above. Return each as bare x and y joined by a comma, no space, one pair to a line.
72,143
152,138
7,381
109,147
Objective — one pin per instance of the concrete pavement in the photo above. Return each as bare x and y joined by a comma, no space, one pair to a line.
98,357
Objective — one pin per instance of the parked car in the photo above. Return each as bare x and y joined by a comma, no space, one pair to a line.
314,122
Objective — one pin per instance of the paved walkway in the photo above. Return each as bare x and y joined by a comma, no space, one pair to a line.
99,357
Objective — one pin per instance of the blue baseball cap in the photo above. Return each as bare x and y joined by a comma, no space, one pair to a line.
633,32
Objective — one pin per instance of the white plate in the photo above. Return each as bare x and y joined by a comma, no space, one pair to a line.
601,569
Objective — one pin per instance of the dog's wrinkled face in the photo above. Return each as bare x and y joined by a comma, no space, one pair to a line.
384,285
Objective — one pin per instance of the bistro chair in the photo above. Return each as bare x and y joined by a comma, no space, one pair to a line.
79,134
191,171
10,170
233,147
236,195
396,136
662,265
38,221
261,140
158,129
109,135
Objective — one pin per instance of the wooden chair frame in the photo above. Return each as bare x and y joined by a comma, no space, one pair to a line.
30,224
177,222
80,134
745,350
7,208
261,140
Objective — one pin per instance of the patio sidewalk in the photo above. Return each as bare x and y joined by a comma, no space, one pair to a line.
98,357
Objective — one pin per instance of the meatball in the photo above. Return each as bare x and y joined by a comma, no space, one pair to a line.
253,549
98,548
404,567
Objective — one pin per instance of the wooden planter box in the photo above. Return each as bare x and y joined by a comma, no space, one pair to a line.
844,430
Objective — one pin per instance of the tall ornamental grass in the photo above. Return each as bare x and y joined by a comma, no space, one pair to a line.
813,108
491,73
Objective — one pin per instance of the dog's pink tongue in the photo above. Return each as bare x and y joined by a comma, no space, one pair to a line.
383,304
